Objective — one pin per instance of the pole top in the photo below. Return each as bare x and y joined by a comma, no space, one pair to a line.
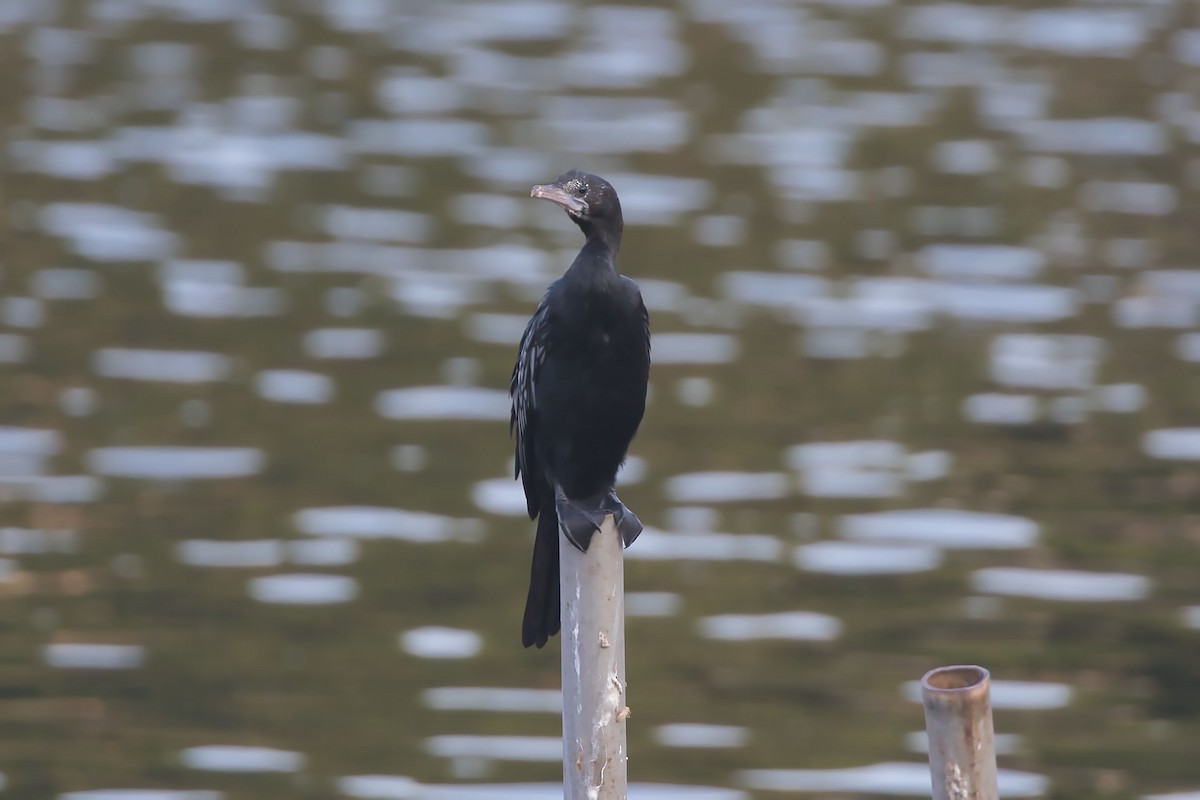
961,685
954,679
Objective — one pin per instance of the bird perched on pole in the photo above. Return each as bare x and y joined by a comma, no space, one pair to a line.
578,394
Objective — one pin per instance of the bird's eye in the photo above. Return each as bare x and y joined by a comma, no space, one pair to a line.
581,189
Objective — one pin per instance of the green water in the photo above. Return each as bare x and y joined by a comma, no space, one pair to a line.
332,682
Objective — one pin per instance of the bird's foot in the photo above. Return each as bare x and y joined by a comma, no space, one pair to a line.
580,519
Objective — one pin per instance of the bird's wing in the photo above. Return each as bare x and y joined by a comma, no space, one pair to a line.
521,389
631,288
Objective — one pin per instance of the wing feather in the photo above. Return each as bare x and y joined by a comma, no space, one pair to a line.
522,389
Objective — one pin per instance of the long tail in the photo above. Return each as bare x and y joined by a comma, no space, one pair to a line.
541,607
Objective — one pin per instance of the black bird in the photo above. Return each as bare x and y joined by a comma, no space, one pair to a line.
578,393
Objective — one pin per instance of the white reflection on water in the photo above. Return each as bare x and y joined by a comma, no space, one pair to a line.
496,748
423,138
80,655
698,735
653,604
372,522
719,230
304,589
399,92
80,161
212,553
241,165
695,391
1155,312
993,408
213,289
725,487
930,465
346,343
176,366
238,758
323,552
965,157
478,698
890,778
799,625
866,454
141,794
176,463
595,125
772,289
1117,136
625,47
36,442
211,300
694,348
952,22
15,541
866,468
108,233
1129,197
980,262
294,386
1178,444
444,402
854,558
1119,398
943,528
505,329
1046,362
1006,302
378,787
1082,31
656,545
21,312
1065,585
54,488
376,224
499,496
437,642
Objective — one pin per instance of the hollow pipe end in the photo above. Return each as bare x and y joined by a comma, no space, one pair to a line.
957,684
962,677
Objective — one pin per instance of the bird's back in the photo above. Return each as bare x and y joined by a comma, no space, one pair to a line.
591,390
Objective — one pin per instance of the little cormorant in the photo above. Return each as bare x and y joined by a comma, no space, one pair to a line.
578,393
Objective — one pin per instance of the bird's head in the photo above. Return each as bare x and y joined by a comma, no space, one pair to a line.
590,202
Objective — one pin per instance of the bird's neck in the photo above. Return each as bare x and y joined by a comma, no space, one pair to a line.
596,262
603,237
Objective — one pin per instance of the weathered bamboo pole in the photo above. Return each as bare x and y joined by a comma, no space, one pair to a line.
962,746
593,668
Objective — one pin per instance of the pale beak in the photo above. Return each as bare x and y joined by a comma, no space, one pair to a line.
556,194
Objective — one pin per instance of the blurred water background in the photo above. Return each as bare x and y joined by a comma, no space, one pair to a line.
923,286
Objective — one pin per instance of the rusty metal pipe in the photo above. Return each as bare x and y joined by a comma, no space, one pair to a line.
962,746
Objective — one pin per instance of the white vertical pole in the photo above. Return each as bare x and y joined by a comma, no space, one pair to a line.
593,668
